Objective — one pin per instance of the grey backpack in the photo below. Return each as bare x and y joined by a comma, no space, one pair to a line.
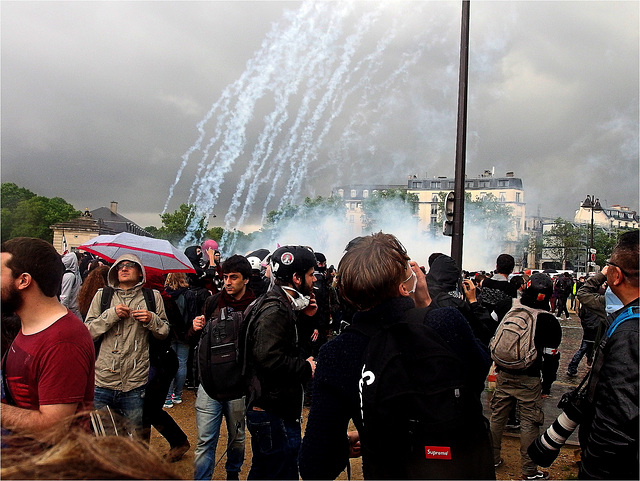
513,345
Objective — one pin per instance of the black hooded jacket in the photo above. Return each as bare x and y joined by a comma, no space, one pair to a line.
442,281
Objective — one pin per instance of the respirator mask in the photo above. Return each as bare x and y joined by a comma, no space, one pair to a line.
612,302
297,303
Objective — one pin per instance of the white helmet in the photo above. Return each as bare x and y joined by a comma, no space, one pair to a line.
256,265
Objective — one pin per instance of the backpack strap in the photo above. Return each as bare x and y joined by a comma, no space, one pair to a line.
105,300
5,385
629,313
149,299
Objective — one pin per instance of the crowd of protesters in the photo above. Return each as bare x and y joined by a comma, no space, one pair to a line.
81,335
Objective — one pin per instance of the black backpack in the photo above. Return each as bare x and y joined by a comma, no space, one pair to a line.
420,418
219,361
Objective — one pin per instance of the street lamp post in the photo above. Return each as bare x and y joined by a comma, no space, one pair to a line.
593,204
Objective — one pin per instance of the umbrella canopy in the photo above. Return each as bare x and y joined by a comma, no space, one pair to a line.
260,254
158,254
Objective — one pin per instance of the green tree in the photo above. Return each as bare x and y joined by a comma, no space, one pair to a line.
175,224
564,242
12,195
379,204
32,217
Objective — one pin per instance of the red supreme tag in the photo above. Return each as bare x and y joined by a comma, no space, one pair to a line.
437,452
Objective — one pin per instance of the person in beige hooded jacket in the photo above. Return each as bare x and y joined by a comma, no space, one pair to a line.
122,364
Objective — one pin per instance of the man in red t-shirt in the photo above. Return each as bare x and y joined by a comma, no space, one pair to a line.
49,369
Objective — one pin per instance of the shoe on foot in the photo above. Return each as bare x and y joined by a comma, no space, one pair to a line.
572,374
177,399
175,454
499,463
168,404
538,475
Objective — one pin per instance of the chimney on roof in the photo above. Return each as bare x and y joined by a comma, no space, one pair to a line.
114,207
509,174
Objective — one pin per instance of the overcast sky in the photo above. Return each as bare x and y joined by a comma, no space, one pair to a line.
107,101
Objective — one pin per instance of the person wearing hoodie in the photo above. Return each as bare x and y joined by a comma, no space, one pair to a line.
122,364
71,282
442,281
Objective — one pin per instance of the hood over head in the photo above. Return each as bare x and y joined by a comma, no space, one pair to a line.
193,256
443,275
70,262
112,277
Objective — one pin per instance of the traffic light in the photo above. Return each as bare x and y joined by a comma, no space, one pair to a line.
447,226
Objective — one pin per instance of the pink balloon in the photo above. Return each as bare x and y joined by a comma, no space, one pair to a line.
209,244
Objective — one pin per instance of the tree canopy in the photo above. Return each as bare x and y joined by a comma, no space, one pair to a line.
26,214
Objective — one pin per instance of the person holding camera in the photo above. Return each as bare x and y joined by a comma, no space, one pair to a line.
609,427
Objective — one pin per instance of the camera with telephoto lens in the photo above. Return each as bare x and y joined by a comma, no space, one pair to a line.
545,449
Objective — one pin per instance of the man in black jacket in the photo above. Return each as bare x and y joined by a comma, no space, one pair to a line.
497,293
277,371
609,428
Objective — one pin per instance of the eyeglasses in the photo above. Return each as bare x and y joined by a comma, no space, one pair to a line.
609,263
128,265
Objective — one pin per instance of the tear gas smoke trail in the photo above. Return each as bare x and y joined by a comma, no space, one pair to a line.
289,84
233,137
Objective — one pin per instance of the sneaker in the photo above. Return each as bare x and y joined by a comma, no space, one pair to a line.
499,463
538,475
572,374
176,399
175,454
168,404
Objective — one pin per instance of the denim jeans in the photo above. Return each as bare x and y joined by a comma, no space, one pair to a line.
209,414
128,404
586,347
182,350
275,444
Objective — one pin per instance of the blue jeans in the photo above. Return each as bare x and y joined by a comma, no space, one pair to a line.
209,414
128,404
182,350
275,444
586,347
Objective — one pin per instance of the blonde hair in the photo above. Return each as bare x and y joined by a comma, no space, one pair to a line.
371,270
79,454
176,280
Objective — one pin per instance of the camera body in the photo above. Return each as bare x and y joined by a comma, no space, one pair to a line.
545,449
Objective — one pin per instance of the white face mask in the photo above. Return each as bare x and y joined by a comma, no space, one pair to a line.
612,303
415,280
297,303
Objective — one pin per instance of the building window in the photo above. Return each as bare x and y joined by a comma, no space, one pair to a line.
351,218
434,198
416,184
484,184
503,197
365,194
374,191
341,192
503,183
434,209
469,184
518,197
354,193
435,184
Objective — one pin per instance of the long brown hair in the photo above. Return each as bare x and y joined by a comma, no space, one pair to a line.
96,279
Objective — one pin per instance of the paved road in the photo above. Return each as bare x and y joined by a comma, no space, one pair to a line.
571,339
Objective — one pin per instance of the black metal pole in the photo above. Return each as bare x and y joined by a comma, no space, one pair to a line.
461,139
591,240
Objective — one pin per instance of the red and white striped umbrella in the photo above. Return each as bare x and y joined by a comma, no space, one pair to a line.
156,254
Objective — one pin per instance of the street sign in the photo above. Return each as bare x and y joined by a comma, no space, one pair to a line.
593,258
592,264
592,251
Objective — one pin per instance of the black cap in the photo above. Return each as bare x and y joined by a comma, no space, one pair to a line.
320,257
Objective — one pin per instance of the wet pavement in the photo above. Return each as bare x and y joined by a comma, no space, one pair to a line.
571,339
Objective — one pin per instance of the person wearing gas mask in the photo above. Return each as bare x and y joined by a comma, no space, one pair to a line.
273,363
609,426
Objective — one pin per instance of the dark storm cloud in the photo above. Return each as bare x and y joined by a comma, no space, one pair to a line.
101,99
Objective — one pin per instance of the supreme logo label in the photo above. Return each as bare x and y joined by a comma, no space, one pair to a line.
437,452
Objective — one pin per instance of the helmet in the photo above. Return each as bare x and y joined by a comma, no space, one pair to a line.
287,260
256,264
